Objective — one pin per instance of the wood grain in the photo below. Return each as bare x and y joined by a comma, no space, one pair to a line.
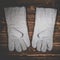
31,22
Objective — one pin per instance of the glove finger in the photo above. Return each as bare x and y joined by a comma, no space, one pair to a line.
26,40
34,43
11,43
44,46
50,44
39,45
18,45
23,45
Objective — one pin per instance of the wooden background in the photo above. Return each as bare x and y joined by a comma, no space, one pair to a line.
31,9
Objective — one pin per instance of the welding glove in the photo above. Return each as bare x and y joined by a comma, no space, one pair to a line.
18,38
44,27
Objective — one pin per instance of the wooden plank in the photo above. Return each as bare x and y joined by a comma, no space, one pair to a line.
54,54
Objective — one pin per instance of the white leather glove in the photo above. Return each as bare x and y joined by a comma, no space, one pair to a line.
17,28
44,27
